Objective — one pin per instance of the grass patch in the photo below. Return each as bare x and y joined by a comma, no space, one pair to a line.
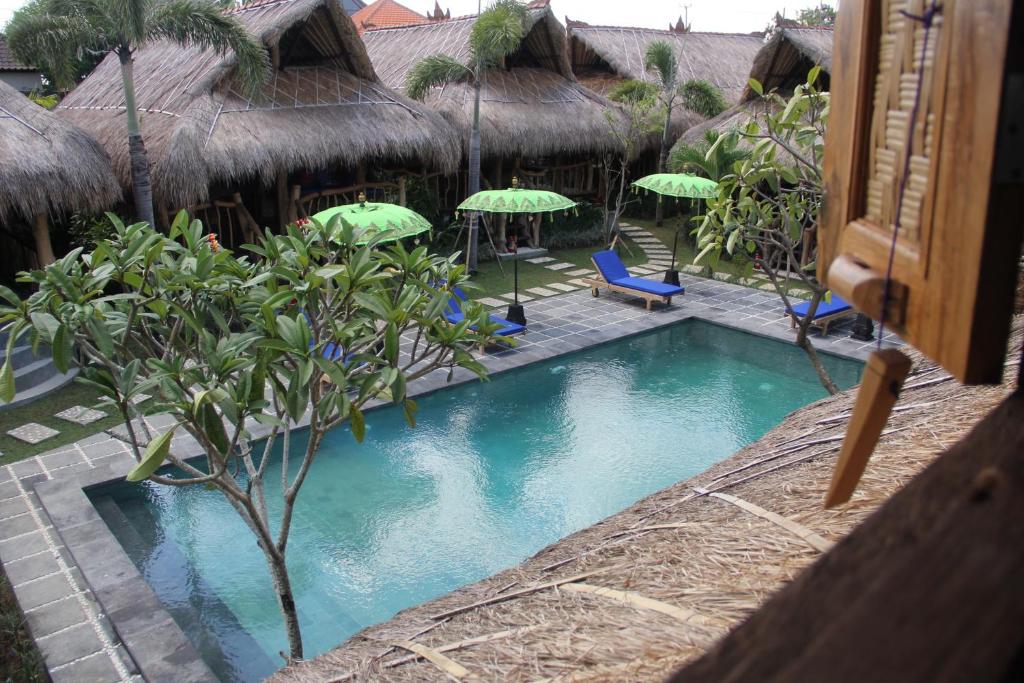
43,411
492,282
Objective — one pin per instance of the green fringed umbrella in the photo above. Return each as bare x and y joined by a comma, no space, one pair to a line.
378,217
517,200
677,185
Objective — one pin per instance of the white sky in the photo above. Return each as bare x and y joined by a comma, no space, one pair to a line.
739,16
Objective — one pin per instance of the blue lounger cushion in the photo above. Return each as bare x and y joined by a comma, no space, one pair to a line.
614,272
454,315
825,308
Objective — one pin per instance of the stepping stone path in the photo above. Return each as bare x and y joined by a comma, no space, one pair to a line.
563,286
579,281
580,271
540,259
540,291
511,295
493,303
32,433
560,266
139,398
81,415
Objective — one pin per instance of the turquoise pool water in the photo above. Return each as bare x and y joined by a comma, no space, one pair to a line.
493,472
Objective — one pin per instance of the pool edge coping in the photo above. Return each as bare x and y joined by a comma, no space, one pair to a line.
65,498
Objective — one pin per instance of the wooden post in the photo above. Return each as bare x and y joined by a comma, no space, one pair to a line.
536,230
294,206
163,217
281,186
498,182
250,228
361,173
44,249
590,176
502,221
401,190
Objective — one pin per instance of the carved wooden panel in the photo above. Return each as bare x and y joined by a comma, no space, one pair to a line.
956,250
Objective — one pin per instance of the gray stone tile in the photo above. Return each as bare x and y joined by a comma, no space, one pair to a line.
69,645
58,459
44,591
31,568
54,617
560,266
95,668
16,548
540,291
32,433
81,415
16,526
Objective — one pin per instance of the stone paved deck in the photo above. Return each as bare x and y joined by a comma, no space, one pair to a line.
96,619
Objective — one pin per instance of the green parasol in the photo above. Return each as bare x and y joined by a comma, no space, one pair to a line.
677,185
378,217
516,200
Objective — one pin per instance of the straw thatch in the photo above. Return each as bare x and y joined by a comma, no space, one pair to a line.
533,108
323,106
636,595
48,165
784,60
603,56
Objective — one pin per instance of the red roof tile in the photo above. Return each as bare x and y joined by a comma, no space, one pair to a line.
386,14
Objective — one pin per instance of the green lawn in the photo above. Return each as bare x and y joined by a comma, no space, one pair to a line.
43,411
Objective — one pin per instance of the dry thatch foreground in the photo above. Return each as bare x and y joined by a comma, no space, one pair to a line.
674,572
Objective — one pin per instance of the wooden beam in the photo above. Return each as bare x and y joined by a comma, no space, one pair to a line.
41,232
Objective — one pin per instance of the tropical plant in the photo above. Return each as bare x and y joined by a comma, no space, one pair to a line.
709,157
767,209
58,35
703,98
496,34
824,15
629,126
308,329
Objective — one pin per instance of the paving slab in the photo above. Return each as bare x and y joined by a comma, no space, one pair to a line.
494,303
541,291
560,266
81,415
580,271
540,259
562,286
32,432
511,296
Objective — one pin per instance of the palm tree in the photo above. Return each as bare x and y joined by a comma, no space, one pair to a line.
714,165
495,35
57,34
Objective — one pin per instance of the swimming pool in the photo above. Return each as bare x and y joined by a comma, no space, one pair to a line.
493,472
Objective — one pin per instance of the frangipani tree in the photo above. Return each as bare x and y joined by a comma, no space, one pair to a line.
767,208
496,34
310,327
58,34
699,96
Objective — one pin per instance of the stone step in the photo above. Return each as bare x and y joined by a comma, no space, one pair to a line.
34,393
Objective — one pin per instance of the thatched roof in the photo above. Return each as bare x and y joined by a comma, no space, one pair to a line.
604,55
638,594
533,108
323,106
784,60
8,61
48,165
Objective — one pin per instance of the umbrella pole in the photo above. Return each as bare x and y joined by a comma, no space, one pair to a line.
515,313
672,275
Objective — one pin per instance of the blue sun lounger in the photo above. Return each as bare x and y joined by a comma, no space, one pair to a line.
453,314
827,311
613,276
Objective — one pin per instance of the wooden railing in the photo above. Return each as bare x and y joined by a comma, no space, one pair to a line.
573,180
228,218
304,206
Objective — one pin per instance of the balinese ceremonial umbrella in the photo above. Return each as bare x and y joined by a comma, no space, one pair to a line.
374,218
677,185
516,200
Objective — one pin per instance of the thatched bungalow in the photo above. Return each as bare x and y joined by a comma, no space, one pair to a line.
781,64
47,167
602,57
320,120
537,121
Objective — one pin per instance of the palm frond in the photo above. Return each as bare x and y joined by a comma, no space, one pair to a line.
129,17
201,23
661,59
53,42
703,98
706,158
631,91
497,32
433,71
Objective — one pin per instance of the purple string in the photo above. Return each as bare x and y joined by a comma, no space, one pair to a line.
927,19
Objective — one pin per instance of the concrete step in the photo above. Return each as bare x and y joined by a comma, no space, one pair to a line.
38,391
22,355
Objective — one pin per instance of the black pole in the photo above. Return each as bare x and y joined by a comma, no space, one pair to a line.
515,313
672,275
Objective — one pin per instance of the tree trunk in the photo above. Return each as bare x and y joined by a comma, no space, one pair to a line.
286,601
44,250
804,343
142,190
659,208
474,177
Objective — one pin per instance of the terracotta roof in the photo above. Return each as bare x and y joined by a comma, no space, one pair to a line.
386,14
7,60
